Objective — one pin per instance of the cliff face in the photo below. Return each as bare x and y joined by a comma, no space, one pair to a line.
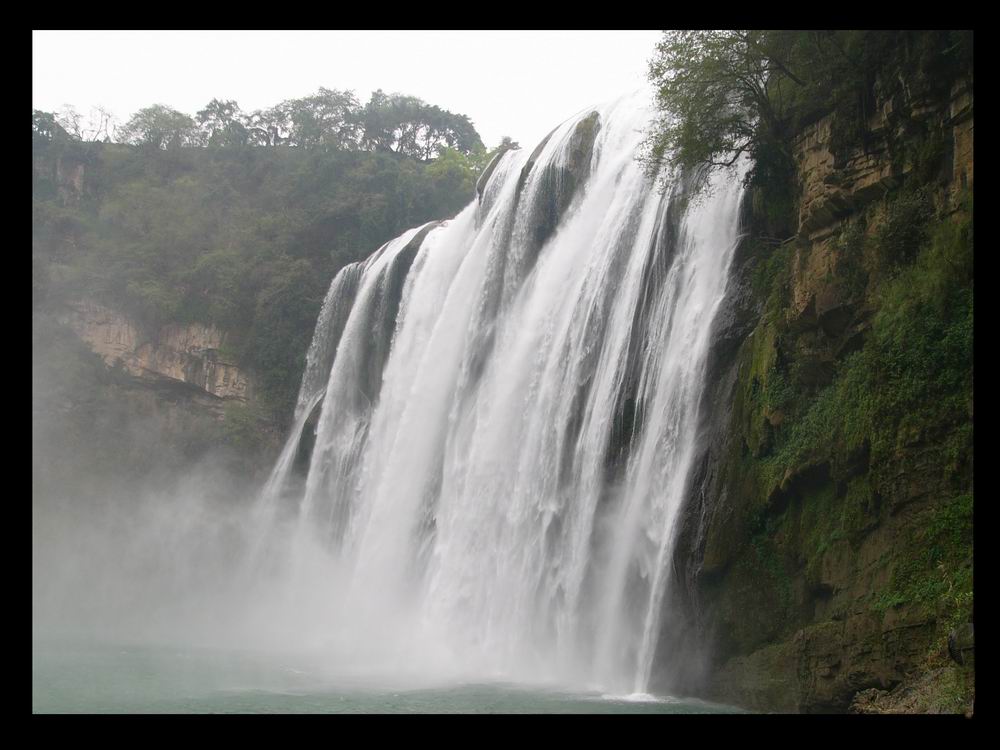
117,409
69,180
826,549
187,355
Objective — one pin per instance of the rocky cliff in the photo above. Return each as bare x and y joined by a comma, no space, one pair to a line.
826,552
117,408
184,355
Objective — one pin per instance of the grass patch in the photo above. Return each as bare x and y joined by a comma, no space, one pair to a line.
937,574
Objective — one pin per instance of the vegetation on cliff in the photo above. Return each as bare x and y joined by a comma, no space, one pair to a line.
239,219
725,93
835,553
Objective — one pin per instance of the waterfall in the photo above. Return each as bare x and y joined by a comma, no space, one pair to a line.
508,405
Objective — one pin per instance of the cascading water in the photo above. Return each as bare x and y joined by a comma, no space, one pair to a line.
508,424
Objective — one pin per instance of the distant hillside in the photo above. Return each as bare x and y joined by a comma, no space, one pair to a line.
207,226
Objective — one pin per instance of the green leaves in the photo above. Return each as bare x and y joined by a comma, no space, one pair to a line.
406,125
159,127
711,87
245,238
726,93
242,219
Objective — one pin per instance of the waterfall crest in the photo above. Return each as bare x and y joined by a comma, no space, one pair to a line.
508,404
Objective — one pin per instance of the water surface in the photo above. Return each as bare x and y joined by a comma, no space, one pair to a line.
92,678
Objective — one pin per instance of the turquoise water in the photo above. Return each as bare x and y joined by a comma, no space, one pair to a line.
88,678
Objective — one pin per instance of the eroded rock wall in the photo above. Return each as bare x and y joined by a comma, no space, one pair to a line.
799,574
189,354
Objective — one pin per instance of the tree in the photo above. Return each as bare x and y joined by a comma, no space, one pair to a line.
269,127
221,123
714,97
71,121
459,133
45,128
328,118
102,125
723,94
160,127
409,126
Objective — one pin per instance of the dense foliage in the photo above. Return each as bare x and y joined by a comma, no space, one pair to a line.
330,119
239,220
723,94
843,499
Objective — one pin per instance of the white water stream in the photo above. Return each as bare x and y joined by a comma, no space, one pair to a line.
508,424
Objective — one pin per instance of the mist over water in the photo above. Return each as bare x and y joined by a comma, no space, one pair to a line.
490,450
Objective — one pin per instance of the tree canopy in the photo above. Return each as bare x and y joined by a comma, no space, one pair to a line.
722,94
239,219
222,124
45,128
159,126
330,119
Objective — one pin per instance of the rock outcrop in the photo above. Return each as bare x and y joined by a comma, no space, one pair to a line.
790,580
835,187
69,180
189,355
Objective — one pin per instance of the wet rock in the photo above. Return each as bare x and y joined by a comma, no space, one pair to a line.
484,178
834,313
558,184
961,644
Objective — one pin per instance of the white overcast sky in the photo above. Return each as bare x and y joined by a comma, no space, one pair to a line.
520,84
